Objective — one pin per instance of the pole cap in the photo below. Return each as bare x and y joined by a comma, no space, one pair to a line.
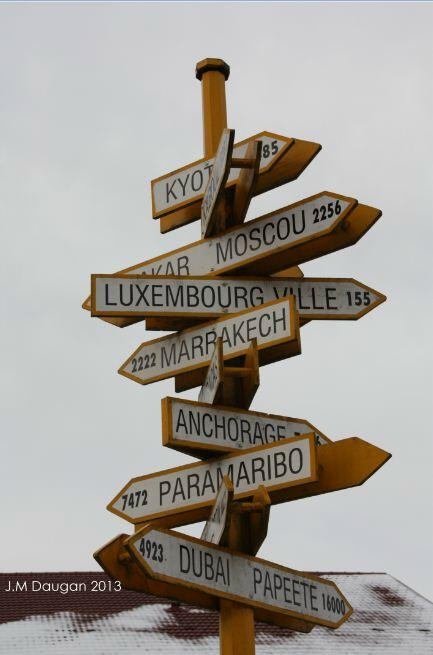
206,65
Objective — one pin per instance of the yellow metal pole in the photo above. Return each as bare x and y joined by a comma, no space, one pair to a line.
213,74
236,621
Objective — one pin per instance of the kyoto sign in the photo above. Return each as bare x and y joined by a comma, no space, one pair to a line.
119,565
193,426
216,183
212,297
274,325
186,493
282,160
212,384
180,559
218,522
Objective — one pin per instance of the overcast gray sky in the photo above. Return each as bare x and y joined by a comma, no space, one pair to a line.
97,100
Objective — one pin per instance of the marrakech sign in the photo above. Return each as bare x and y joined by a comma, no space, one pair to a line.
274,325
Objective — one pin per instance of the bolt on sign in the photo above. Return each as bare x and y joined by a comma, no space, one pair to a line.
213,297
186,493
172,557
274,325
218,523
190,426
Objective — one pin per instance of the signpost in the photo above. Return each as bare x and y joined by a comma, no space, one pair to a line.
179,559
198,298
216,528
204,430
186,493
274,325
249,460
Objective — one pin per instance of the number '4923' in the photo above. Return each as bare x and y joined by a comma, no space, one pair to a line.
151,550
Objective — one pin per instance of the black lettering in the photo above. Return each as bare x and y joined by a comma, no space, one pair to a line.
200,184
329,298
107,302
257,578
183,185
184,558
169,190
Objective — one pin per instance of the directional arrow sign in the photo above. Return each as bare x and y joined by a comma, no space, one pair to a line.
176,197
119,565
274,325
195,298
212,385
216,183
206,430
186,493
183,560
218,523
268,244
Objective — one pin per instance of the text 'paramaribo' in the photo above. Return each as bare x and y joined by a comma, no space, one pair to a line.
187,488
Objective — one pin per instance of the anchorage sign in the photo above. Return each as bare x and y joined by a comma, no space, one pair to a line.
190,490
189,425
274,324
179,559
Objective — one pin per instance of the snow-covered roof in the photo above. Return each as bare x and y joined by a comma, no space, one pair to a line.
389,618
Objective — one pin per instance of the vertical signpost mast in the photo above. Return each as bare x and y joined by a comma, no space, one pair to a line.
236,620
224,329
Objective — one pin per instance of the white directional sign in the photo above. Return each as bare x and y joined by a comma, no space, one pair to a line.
189,491
172,557
188,425
274,325
216,183
219,520
211,297
214,376
285,238
187,184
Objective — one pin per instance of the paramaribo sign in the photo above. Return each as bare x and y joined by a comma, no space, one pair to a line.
187,493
